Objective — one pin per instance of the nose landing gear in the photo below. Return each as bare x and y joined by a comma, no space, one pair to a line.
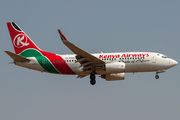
157,72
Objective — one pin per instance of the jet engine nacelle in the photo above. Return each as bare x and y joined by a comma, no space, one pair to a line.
115,67
113,77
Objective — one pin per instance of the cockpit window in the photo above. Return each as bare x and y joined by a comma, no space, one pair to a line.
164,56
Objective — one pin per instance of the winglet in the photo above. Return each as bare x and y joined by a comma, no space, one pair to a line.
63,38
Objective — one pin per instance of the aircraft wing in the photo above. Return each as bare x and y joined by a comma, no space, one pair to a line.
87,61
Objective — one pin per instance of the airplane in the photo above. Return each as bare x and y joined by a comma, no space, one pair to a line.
110,66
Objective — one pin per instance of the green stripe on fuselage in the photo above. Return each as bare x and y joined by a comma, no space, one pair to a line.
43,61
30,53
46,64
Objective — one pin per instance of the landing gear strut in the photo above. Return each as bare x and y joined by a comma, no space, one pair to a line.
93,78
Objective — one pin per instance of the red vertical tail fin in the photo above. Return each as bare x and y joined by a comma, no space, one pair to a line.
19,39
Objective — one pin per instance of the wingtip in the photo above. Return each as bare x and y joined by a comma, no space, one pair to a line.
63,38
59,31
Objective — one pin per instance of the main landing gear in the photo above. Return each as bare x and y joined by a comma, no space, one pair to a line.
157,76
93,78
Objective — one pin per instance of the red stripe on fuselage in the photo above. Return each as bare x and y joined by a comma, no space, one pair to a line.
59,63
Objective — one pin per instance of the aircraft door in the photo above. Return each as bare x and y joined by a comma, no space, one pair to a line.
153,58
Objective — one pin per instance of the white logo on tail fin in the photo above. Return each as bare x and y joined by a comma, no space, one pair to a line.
20,40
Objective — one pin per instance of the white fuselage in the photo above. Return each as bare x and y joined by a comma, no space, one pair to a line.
134,62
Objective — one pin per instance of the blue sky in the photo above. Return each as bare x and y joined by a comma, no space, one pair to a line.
108,26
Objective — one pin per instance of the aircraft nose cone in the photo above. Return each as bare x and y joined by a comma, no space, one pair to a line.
174,63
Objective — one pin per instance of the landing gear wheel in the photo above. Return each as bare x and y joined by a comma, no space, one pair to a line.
157,76
93,82
93,78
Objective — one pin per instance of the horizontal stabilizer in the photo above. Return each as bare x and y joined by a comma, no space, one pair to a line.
16,57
